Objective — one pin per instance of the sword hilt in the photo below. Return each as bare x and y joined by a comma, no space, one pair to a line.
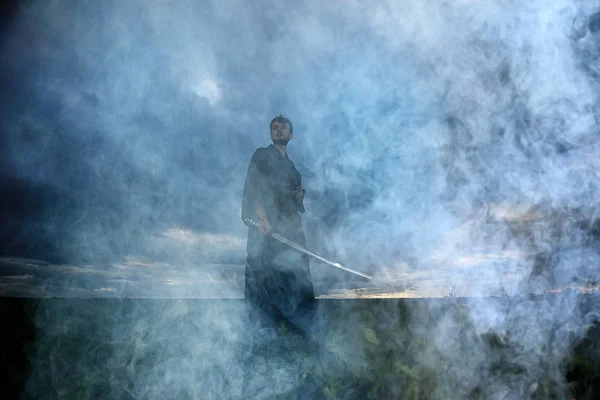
252,222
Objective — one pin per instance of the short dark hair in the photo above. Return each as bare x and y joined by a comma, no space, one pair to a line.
282,119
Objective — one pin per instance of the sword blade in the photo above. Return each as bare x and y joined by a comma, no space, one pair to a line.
318,257
301,249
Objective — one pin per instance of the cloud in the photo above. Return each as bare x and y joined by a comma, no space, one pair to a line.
209,90
133,278
412,121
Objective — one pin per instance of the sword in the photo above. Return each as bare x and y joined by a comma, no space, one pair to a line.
301,249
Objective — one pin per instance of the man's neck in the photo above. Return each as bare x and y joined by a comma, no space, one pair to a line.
282,148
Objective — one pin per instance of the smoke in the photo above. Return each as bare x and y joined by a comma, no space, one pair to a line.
508,118
452,139
423,115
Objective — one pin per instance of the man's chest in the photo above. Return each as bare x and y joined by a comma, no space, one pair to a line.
280,171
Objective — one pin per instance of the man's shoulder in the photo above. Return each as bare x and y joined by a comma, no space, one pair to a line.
262,150
261,153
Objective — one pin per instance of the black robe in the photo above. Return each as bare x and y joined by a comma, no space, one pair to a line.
278,282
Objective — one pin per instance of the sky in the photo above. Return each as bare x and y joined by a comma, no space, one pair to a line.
441,143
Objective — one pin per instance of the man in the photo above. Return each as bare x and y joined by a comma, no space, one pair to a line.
278,283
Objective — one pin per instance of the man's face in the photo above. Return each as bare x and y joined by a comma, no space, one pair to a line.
280,133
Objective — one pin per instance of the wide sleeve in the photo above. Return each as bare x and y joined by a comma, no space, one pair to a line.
253,188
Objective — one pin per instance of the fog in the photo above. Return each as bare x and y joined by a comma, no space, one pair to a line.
446,142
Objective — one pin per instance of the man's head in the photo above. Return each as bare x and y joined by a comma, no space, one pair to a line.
282,130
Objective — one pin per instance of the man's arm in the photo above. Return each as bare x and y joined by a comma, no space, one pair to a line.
263,222
252,200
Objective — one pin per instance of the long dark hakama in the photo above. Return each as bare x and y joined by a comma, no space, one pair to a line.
278,283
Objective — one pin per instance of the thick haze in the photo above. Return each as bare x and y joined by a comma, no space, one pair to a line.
446,147
420,129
